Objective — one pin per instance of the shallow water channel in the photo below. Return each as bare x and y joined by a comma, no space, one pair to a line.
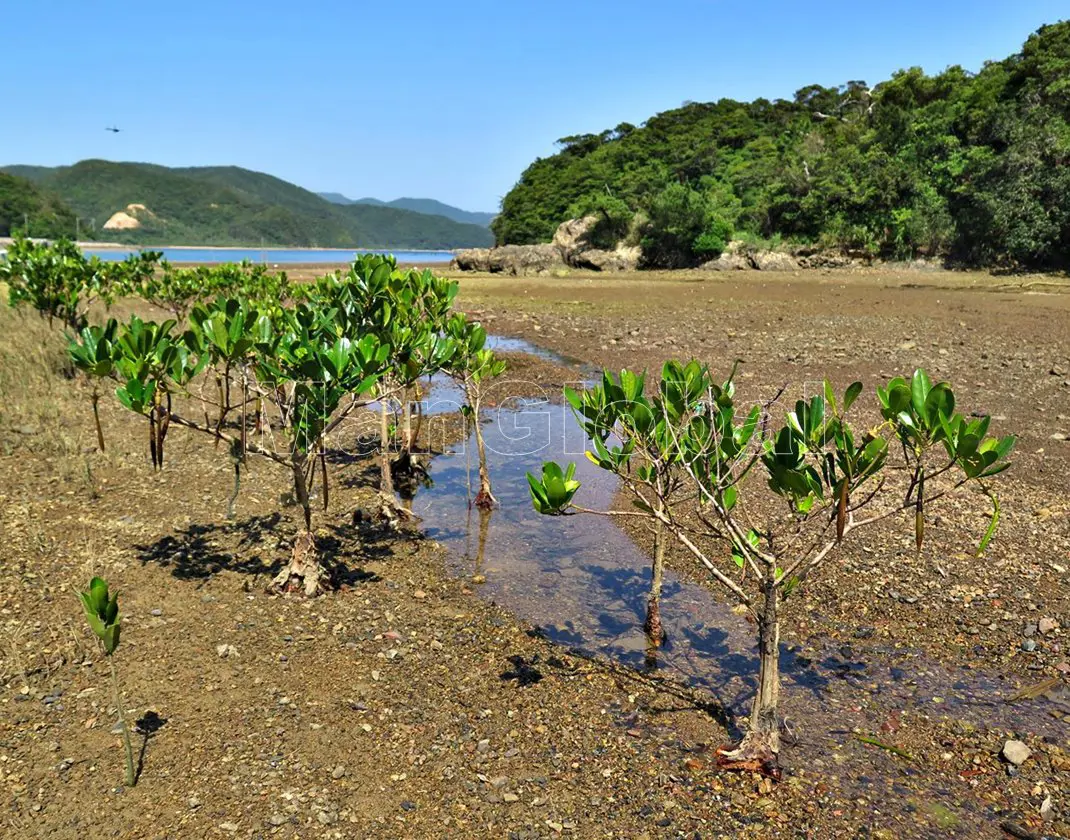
583,582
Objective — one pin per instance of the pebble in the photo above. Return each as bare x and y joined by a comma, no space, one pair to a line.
1028,645
1016,752
1029,631
1047,625
156,613
338,772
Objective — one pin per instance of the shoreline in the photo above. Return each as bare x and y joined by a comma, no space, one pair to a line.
119,246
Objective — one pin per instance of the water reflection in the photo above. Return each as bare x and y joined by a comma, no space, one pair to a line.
584,583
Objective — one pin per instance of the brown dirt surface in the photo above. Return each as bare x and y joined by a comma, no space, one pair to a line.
406,706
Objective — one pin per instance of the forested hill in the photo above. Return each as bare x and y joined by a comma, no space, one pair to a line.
26,208
228,205
974,166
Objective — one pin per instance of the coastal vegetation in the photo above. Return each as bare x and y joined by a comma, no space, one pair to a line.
973,167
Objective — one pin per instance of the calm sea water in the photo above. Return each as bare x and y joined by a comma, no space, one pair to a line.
271,256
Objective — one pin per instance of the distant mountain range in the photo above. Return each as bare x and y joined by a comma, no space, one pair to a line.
146,204
418,205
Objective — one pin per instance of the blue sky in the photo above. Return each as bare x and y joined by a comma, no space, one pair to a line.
443,99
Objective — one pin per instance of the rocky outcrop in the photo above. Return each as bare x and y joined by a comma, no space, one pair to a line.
128,219
517,260
122,221
572,237
570,248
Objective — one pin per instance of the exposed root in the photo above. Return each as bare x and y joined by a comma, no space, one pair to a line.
305,573
408,473
390,512
655,632
485,499
756,753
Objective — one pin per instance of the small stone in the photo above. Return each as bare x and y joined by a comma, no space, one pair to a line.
1029,645
194,802
408,806
338,772
1029,631
1047,625
1015,752
158,613
510,797
419,594
228,826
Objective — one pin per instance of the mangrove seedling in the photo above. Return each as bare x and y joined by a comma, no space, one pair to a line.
93,353
472,366
689,462
101,610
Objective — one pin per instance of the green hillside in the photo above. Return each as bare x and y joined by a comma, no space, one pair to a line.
418,205
26,208
973,166
228,205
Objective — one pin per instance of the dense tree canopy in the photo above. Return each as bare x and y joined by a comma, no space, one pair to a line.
26,209
972,166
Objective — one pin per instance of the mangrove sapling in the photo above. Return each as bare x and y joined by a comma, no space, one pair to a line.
405,310
102,612
471,366
93,353
61,283
294,362
823,482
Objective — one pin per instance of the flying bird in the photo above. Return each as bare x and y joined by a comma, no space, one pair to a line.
113,129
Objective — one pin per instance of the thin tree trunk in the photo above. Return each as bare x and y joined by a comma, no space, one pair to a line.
386,479
96,419
654,629
131,779
406,438
304,572
760,747
484,498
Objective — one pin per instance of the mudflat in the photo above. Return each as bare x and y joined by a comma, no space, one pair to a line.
407,705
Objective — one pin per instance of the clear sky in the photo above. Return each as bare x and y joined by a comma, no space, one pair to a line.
449,100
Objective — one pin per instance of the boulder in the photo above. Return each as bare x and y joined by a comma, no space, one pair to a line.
471,259
727,262
571,236
773,261
622,259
